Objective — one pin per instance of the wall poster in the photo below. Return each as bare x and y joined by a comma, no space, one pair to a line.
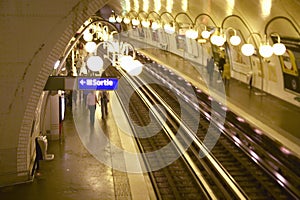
141,33
240,63
155,35
180,42
162,36
290,63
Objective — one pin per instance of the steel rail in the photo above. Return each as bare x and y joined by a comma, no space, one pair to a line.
227,177
196,170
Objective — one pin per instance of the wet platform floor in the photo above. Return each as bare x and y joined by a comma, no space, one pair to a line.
77,173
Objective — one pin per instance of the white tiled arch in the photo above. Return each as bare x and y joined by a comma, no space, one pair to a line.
80,12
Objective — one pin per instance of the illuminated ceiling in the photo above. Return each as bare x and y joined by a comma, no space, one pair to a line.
255,13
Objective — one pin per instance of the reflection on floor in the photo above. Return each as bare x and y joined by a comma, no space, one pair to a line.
77,172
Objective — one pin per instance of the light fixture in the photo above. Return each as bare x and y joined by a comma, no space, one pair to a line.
205,34
278,48
154,20
155,25
135,22
218,38
144,19
146,23
90,47
169,28
235,40
131,66
248,49
265,49
56,64
87,36
191,33
126,20
118,54
119,19
95,63
94,28
112,18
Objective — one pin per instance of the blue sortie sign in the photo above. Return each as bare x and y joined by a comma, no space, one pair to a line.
97,83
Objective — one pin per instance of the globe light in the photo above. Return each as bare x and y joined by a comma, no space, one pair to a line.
126,20
248,49
119,19
112,19
265,50
169,29
205,34
145,23
135,22
56,64
155,26
99,34
87,36
279,49
135,69
217,40
90,47
191,33
131,66
235,40
125,60
95,63
105,36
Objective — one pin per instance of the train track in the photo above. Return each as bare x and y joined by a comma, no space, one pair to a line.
229,170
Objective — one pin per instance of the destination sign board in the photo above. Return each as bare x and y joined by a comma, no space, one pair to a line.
97,83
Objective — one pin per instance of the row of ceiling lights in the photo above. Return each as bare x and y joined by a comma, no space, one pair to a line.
217,36
117,51
120,54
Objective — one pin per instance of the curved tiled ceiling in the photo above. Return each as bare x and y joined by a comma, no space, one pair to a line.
255,13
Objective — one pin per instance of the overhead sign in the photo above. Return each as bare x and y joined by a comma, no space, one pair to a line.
97,83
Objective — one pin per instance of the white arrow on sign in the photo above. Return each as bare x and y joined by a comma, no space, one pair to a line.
82,82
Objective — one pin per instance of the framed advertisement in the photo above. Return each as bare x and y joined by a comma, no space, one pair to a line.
290,63
155,37
180,42
141,33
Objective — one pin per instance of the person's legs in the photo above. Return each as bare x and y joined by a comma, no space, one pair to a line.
102,108
92,114
211,78
105,106
84,99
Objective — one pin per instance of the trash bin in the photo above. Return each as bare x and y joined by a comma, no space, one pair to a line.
43,144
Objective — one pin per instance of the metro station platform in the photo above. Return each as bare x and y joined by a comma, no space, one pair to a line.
77,172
